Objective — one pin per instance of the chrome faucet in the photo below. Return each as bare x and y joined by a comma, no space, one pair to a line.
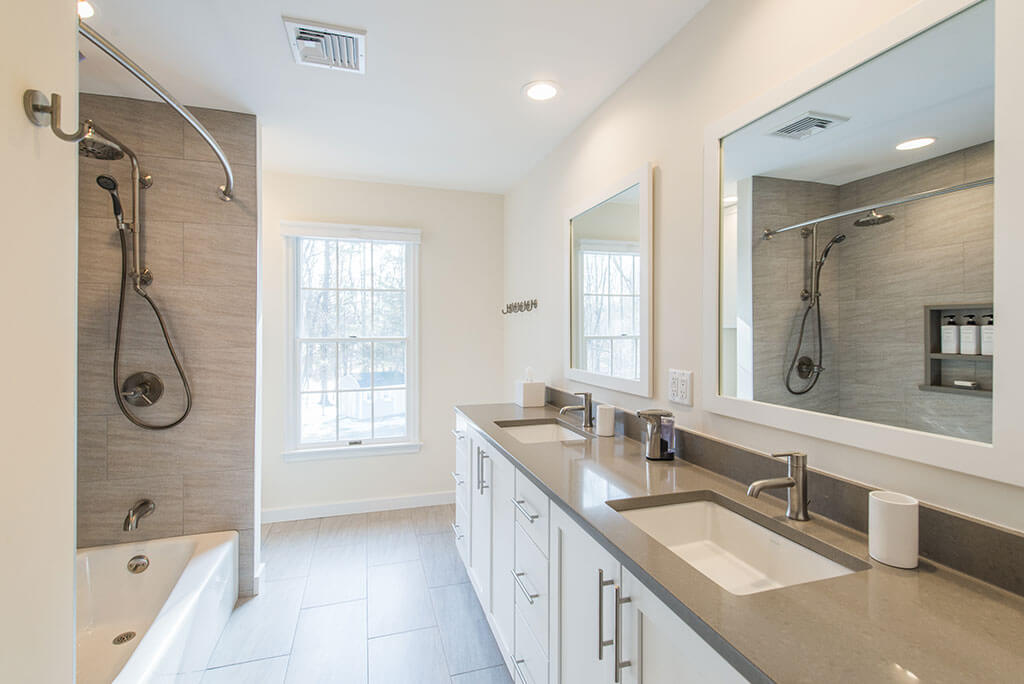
795,482
140,510
587,407
659,434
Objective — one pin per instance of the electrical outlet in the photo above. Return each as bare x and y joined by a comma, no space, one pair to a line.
680,386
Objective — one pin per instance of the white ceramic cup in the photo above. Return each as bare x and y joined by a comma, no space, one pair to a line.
605,421
892,529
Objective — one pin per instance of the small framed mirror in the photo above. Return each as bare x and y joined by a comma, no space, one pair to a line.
609,285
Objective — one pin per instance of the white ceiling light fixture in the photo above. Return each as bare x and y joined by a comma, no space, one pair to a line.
914,144
85,9
540,91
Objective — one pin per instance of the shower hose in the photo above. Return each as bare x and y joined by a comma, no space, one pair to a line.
816,371
117,347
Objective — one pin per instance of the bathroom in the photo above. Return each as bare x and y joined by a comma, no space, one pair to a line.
458,362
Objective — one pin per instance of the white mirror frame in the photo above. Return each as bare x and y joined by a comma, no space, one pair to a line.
642,177
1003,460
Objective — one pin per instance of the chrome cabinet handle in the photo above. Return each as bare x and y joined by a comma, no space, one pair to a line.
529,516
601,641
516,662
455,529
481,484
458,434
458,482
526,592
620,664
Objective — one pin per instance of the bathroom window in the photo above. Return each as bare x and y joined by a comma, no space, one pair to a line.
610,311
354,351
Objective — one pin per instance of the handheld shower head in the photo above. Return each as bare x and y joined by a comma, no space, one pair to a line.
828,248
110,185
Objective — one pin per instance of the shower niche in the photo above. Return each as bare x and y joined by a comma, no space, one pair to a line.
943,371
846,230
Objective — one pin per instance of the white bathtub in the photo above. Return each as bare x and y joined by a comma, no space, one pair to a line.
177,607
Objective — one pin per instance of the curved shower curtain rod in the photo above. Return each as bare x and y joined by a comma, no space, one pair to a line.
227,190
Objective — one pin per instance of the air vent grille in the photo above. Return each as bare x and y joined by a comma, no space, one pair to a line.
328,47
808,124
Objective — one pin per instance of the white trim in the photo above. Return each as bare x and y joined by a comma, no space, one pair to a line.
644,178
294,450
350,231
272,515
999,461
356,451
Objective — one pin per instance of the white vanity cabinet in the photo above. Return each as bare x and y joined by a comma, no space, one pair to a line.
461,477
480,499
503,481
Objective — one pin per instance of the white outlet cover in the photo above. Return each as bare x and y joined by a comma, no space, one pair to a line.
680,386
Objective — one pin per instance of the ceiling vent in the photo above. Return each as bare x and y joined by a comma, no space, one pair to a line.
328,47
808,124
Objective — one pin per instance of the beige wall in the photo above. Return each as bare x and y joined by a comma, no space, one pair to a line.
202,253
37,351
460,336
732,52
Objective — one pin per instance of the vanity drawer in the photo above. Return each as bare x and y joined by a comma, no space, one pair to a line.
529,662
532,511
531,575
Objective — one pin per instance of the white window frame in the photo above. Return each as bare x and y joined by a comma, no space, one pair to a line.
294,449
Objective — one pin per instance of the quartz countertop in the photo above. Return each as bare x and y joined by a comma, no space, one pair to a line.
931,624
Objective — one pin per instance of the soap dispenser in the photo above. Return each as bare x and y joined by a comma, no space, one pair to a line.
988,335
950,336
970,340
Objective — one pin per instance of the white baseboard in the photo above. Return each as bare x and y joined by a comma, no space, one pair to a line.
273,515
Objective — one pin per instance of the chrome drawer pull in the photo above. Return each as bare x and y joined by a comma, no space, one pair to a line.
458,481
522,509
601,641
620,664
455,529
526,592
516,662
458,435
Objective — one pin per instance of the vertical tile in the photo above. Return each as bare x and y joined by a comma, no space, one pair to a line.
92,448
410,658
391,537
441,562
465,634
262,626
342,530
216,255
330,645
102,507
398,599
219,501
266,671
235,132
336,574
288,550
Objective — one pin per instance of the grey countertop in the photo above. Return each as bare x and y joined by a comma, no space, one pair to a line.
931,624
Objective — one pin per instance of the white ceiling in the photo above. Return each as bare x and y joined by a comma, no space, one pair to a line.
440,103
939,84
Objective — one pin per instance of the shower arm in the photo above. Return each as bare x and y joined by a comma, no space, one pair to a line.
769,234
227,190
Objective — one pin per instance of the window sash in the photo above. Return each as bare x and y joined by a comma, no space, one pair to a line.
375,392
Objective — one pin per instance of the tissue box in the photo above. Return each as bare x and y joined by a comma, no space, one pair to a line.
530,394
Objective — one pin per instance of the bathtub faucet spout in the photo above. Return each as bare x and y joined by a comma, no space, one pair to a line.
137,512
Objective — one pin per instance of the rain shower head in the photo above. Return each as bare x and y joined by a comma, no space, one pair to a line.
873,219
96,146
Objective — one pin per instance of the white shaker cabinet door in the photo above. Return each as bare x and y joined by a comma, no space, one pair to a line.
481,470
582,581
503,478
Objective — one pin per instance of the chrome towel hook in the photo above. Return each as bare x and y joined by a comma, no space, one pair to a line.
520,306
39,109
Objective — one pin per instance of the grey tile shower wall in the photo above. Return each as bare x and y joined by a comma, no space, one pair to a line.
202,252
781,269
936,251
988,552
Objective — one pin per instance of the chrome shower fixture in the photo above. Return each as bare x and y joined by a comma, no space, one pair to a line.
95,146
873,219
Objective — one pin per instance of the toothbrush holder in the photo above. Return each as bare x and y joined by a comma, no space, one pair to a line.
893,529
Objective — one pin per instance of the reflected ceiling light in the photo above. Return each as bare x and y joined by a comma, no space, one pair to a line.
85,9
730,199
914,144
540,90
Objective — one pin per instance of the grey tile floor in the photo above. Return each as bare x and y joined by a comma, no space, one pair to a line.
374,598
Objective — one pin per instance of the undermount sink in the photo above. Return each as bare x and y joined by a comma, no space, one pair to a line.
536,431
733,545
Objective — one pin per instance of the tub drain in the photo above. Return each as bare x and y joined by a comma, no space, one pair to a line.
123,638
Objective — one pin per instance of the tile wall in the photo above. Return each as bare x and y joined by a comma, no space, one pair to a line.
203,255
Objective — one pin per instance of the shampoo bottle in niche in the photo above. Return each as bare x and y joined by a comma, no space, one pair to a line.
950,336
970,340
988,335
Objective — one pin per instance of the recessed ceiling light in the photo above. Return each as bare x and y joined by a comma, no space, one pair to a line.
540,90
914,144
730,199
85,9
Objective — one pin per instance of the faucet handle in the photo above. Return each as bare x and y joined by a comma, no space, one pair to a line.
795,458
585,395
653,413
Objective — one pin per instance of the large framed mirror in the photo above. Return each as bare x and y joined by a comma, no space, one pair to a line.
853,235
609,287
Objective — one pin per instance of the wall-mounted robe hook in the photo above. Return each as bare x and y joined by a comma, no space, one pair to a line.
520,306
39,109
